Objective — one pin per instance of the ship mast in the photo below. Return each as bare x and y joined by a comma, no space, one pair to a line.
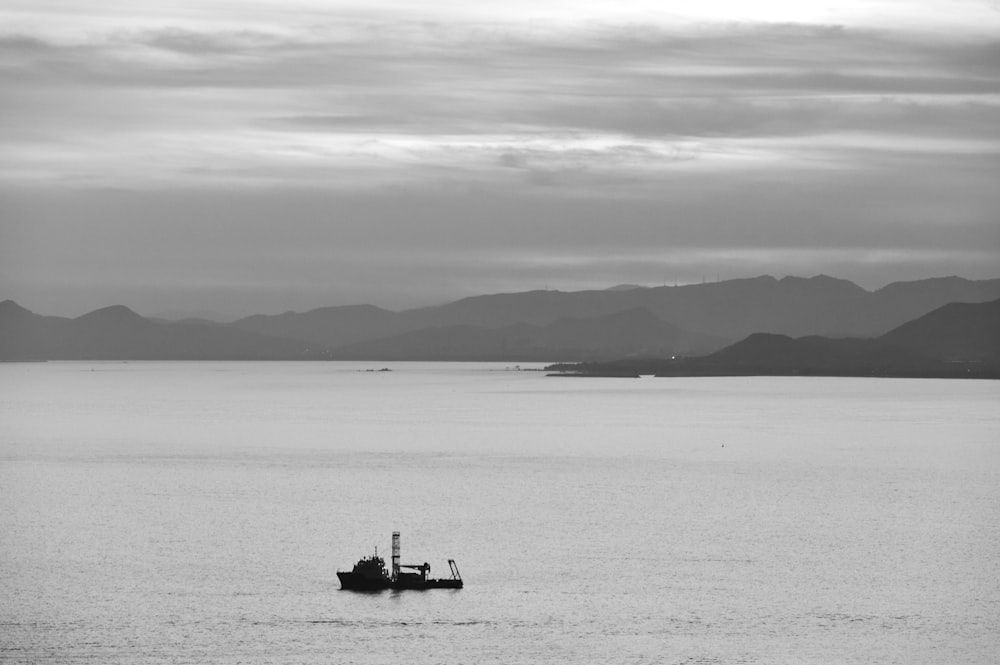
395,555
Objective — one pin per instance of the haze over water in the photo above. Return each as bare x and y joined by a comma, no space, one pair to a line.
197,513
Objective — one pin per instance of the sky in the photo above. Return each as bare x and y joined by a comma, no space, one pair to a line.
224,158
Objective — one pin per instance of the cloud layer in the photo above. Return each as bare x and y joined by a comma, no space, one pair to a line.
625,145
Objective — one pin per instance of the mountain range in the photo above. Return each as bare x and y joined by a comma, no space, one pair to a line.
118,333
728,310
956,340
624,321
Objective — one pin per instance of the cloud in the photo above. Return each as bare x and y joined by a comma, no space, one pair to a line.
368,147
376,102
595,61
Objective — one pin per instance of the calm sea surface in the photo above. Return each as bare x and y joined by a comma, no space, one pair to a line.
198,512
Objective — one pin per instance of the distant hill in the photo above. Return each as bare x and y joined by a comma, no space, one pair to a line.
956,340
728,310
118,333
627,333
955,332
903,301
765,353
329,326
548,325
624,287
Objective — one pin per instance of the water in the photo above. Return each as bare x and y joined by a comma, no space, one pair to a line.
197,513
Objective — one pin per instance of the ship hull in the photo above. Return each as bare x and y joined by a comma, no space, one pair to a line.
355,582
427,584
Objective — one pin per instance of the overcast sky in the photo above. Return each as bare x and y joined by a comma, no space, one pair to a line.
241,157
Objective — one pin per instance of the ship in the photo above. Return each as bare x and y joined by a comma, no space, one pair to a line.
370,574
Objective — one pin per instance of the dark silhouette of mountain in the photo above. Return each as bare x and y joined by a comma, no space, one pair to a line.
580,322
766,353
10,310
118,333
329,326
632,332
180,315
903,301
624,287
729,310
955,332
635,332
25,335
956,340
187,321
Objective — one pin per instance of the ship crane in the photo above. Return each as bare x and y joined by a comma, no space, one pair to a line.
423,569
421,577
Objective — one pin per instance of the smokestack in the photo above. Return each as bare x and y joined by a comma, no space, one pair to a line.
395,554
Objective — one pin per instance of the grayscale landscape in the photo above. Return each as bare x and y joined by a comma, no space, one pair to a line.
674,327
